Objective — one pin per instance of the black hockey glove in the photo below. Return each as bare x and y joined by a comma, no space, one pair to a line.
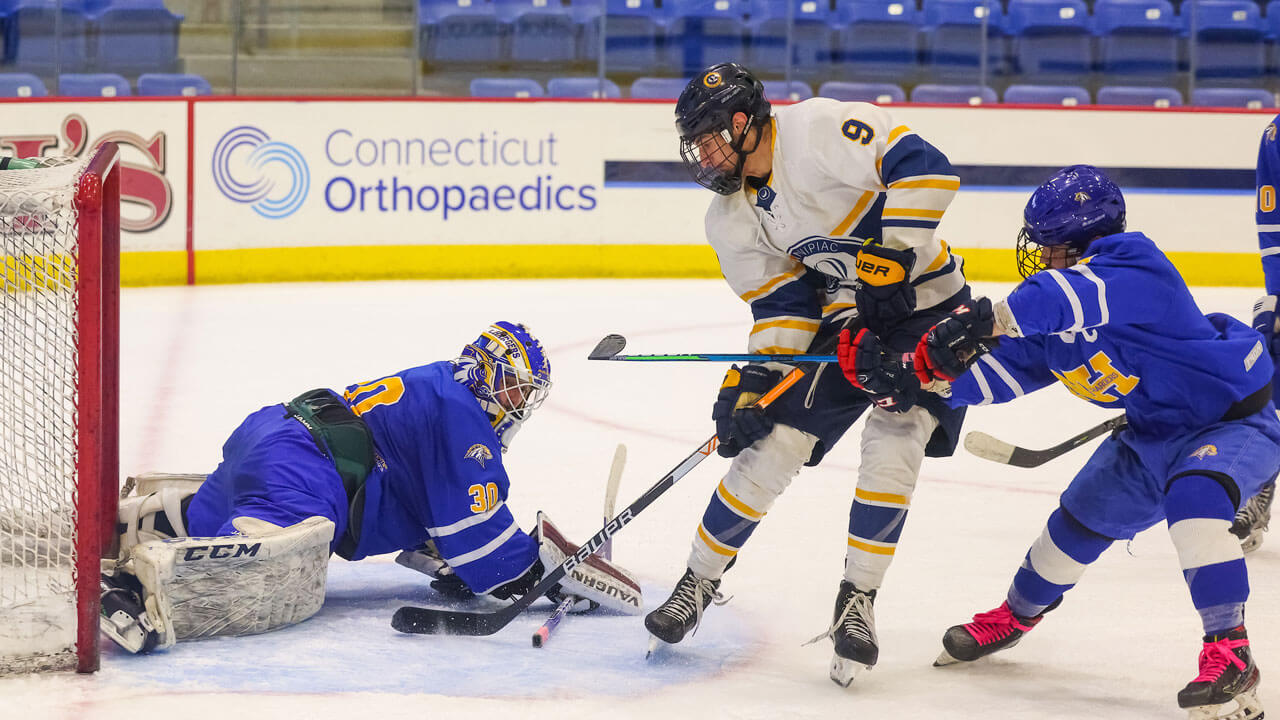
884,293
951,346
868,367
521,585
451,587
738,424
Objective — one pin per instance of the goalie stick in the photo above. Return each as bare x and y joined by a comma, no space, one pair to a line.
543,634
996,450
610,345
411,619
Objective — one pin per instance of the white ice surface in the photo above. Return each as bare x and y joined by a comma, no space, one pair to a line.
197,360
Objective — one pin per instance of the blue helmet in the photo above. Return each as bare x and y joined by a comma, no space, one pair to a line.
1073,208
508,372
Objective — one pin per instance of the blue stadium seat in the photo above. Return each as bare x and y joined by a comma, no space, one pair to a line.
1051,40
36,37
953,94
135,36
658,88
1068,95
21,85
541,31
811,38
1228,38
1137,39
954,32
635,31
505,88
172,84
92,85
582,87
460,32
878,93
1160,97
877,38
1253,98
778,90
702,32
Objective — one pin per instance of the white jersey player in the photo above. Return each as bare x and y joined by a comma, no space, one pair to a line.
825,221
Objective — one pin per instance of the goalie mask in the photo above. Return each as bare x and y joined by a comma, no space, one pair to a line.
1064,215
704,119
508,372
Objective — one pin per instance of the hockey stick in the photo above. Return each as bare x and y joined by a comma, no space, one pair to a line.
995,450
542,635
411,619
610,345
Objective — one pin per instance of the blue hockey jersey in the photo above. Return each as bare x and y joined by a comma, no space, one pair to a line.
438,476
1120,329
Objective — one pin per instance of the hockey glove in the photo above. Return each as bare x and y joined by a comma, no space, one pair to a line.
865,364
951,346
884,293
1264,321
426,560
738,424
521,585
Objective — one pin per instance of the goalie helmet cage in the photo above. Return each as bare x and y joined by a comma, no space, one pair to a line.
59,410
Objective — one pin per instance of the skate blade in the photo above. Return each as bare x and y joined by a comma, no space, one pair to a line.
1253,542
655,646
844,670
1244,706
945,659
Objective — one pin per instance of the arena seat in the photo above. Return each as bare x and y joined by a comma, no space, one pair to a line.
1252,98
1137,39
18,84
539,32
953,38
1051,40
92,85
878,93
172,84
657,88
460,32
1229,40
506,88
778,90
635,33
953,94
582,87
1160,97
811,37
703,32
1068,95
877,39
135,36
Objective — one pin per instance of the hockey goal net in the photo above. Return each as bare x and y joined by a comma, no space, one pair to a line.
59,318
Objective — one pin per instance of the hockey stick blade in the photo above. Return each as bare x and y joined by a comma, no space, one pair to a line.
608,346
411,619
990,448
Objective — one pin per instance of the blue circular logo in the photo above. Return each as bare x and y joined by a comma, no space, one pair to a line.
251,168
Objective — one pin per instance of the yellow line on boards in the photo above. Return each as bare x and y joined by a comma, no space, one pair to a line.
470,262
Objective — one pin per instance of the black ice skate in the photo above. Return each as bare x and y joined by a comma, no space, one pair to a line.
853,631
682,612
1227,686
989,632
1252,519
123,617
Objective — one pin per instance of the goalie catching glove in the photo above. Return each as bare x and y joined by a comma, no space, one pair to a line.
597,581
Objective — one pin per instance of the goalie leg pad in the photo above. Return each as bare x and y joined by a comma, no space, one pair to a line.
595,579
266,578
152,516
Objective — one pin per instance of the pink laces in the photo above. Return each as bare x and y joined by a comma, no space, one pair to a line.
988,627
1215,657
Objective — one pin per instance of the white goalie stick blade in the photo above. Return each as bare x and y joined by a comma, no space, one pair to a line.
844,670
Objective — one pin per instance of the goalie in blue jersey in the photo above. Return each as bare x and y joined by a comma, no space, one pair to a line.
410,462
1104,312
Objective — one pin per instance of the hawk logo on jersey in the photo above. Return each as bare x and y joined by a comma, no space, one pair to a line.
1204,451
765,197
712,80
1270,133
479,453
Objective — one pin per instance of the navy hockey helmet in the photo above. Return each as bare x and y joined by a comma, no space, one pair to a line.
704,119
508,371
1075,206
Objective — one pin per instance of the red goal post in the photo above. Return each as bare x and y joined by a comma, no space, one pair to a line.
59,406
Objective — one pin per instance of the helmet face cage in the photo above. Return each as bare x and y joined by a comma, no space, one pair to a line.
704,119
508,372
1074,207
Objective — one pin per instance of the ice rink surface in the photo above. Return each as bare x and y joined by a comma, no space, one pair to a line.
197,360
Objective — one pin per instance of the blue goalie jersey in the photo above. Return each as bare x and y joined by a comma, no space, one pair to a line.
1121,330
439,476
